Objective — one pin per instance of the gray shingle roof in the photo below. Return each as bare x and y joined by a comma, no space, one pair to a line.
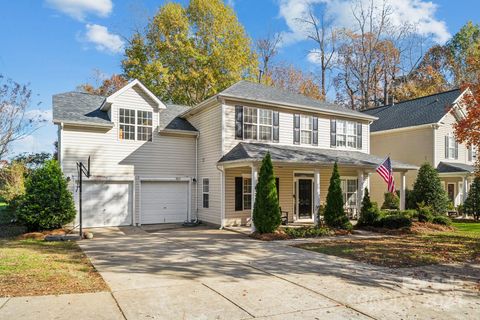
169,118
451,167
424,110
262,93
79,107
293,154
84,108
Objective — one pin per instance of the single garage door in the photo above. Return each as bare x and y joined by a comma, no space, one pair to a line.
163,202
106,203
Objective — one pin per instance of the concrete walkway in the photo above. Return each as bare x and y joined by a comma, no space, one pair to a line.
204,273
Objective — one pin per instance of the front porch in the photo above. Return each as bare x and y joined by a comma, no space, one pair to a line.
456,179
303,177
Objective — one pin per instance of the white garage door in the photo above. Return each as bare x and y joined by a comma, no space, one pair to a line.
163,202
107,203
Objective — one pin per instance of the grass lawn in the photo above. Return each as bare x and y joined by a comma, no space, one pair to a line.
35,267
461,245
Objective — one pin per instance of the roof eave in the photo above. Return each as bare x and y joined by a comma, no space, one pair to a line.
83,124
178,131
299,107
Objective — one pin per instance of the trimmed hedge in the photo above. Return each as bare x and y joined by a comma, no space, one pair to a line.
394,221
306,232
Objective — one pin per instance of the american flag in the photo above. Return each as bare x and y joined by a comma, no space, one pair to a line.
385,171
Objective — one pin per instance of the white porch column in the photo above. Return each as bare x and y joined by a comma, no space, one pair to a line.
254,185
465,189
316,199
360,189
402,190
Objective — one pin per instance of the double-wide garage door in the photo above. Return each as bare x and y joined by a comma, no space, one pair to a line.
163,202
107,203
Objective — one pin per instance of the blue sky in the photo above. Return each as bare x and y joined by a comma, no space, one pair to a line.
55,45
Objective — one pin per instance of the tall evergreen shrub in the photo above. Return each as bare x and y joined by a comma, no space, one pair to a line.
335,216
429,191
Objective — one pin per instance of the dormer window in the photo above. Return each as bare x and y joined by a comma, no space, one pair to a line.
127,124
135,125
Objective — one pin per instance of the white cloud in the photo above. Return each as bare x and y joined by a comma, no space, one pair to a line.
103,39
79,9
419,13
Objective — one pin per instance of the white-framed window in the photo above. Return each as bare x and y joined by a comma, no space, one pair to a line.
247,193
126,130
135,125
250,123
257,124
349,189
451,146
144,125
472,153
306,128
346,134
206,192
265,125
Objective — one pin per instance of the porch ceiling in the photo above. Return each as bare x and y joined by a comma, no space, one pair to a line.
305,155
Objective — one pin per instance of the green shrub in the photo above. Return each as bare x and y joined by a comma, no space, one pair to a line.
411,214
306,232
425,213
266,212
12,182
410,202
47,203
394,221
428,189
391,201
369,213
472,203
335,216
443,220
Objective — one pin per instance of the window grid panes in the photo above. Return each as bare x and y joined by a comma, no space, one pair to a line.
346,134
247,193
206,192
144,122
250,123
305,129
265,125
451,147
127,124
349,189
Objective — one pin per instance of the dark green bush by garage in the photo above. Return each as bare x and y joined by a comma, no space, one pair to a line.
47,203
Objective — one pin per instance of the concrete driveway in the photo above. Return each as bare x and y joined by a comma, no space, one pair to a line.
203,273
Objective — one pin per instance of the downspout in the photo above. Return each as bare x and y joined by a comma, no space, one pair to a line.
196,176
222,196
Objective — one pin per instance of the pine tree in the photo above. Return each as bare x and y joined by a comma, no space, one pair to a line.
369,212
428,189
266,211
472,203
335,216
47,204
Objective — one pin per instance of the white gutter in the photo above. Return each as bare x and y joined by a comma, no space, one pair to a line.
196,176
422,126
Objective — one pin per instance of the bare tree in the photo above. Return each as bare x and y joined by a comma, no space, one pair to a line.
325,36
14,124
267,49
371,56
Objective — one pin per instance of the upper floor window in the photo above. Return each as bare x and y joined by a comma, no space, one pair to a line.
346,134
127,124
131,123
472,153
256,124
306,128
451,147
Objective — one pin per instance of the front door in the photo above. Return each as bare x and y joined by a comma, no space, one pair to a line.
451,192
305,198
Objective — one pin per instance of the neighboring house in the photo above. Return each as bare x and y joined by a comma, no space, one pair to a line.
158,163
421,130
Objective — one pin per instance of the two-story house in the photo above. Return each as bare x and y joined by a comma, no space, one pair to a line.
421,130
153,162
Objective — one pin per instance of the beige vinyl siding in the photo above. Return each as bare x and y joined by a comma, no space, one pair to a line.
209,124
112,158
286,196
413,146
286,128
445,128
